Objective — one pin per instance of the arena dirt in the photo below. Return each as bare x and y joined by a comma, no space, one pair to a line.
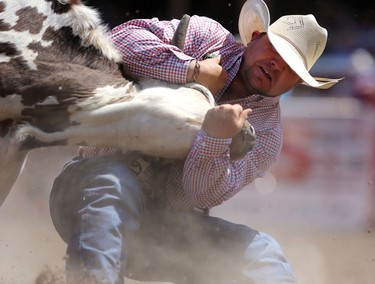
31,252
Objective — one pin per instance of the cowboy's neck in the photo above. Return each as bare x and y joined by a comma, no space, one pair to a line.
236,90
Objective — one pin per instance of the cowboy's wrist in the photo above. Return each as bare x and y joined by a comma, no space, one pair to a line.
193,71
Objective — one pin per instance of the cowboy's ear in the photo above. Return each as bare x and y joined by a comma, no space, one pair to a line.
256,34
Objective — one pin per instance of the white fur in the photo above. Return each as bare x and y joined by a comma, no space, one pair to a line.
87,24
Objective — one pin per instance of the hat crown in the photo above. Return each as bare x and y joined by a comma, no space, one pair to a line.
304,34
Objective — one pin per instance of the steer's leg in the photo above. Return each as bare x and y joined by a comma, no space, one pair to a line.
11,163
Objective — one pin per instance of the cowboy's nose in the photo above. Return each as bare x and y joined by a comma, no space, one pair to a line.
275,64
278,63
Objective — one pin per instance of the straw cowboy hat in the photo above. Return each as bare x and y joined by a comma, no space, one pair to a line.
297,38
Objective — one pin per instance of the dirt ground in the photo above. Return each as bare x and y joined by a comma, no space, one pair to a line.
30,247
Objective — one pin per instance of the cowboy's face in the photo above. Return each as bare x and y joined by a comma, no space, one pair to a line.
263,70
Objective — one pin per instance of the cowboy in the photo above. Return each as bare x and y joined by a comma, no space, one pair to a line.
119,221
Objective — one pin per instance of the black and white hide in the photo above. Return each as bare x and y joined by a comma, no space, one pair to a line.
61,83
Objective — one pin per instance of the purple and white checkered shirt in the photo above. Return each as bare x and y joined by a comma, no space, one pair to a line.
207,177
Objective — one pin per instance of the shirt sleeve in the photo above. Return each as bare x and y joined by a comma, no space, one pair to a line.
210,177
145,45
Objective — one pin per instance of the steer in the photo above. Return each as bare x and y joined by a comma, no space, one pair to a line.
62,83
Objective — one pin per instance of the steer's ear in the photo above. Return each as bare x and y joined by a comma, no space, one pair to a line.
243,142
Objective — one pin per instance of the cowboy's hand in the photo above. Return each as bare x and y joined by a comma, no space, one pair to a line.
211,74
225,121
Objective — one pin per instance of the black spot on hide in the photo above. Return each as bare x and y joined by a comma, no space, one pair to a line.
29,20
9,49
59,8
49,118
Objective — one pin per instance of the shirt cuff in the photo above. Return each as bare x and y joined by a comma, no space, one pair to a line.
182,61
210,146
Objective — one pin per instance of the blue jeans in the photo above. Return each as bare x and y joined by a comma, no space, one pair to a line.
113,230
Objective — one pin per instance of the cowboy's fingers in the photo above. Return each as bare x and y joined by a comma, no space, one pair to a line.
237,109
245,114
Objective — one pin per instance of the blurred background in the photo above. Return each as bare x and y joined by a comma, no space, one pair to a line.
318,200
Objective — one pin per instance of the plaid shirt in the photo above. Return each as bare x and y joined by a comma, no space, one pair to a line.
207,177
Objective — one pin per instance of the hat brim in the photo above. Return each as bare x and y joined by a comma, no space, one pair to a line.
254,16
292,57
